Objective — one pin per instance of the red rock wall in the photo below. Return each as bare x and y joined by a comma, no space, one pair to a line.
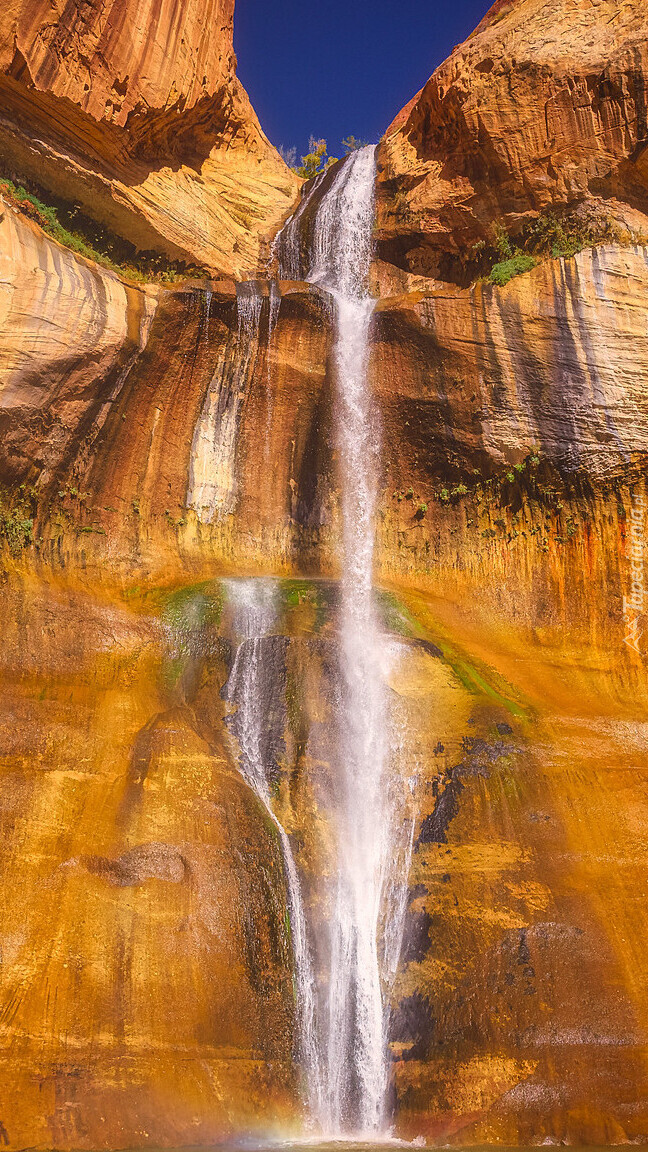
537,110
134,112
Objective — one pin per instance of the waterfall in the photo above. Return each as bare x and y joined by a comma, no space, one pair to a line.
363,947
342,1020
356,1051
248,688
288,244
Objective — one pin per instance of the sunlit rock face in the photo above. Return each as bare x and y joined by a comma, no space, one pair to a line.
144,949
189,439
112,391
133,112
543,107
69,330
514,425
158,444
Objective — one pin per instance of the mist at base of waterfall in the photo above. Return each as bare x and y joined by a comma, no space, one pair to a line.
270,1144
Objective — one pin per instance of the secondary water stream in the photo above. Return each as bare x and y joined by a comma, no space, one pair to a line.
212,488
249,688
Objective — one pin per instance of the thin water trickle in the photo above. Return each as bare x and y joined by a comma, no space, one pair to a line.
274,307
249,685
249,302
212,488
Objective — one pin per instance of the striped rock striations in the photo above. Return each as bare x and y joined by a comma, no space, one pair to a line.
156,441
134,112
542,109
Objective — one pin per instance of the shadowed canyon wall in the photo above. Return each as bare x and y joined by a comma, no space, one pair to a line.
156,441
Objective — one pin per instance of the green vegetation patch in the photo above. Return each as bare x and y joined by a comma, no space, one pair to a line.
190,607
553,235
17,512
316,159
507,269
549,236
504,487
476,679
396,618
197,606
318,594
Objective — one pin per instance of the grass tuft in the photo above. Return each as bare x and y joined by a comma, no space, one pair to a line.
17,511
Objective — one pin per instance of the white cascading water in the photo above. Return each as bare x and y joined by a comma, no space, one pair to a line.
342,1025
354,1061
255,610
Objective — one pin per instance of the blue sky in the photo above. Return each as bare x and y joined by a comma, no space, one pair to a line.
337,67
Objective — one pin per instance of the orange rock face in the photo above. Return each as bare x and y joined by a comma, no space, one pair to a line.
113,60
144,948
156,441
543,107
169,445
134,112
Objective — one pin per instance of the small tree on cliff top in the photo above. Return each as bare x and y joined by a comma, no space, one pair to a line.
352,144
315,161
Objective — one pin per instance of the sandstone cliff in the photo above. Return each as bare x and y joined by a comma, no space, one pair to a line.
516,428
134,113
542,108
156,441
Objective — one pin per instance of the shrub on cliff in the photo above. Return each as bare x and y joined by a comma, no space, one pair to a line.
316,160
553,236
120,256
587,226
352,144
507,269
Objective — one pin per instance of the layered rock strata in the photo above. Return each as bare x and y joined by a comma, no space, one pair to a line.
515,424
155,440
134,113
110,394
542,109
